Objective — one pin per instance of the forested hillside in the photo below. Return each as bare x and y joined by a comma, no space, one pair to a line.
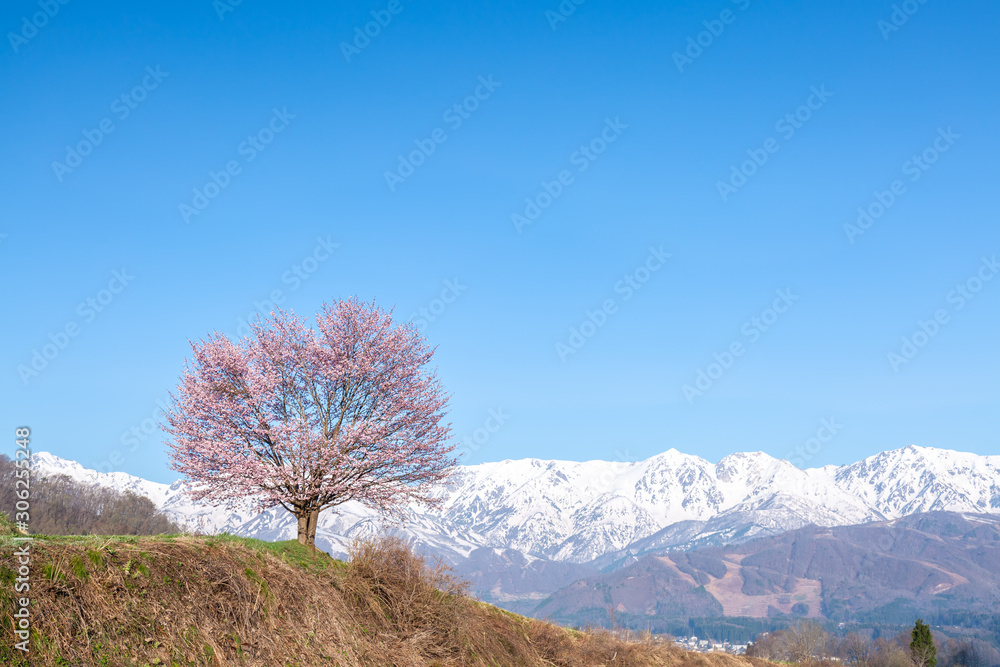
59,505
939,565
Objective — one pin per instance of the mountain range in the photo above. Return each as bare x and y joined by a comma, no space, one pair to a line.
521,530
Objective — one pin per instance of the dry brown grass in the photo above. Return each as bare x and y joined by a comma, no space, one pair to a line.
209,601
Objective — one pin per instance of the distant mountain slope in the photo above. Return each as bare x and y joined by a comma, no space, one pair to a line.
889,571
509,579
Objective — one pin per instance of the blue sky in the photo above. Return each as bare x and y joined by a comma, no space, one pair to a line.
615,109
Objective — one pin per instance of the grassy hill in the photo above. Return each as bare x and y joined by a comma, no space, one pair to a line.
182,600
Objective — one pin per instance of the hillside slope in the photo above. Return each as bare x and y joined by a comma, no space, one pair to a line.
234,601
937,563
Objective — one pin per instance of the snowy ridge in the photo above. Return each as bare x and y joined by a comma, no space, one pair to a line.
582,511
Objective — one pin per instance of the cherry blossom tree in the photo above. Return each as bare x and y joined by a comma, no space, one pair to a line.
309,418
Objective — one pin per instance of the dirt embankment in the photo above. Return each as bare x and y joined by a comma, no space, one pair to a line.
232,601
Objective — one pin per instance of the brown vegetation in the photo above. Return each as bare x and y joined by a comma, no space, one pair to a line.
234,601
808,643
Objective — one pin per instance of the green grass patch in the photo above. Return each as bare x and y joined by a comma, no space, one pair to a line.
289,551
79,568
53,572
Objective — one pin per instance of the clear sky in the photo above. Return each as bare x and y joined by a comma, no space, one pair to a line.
673,169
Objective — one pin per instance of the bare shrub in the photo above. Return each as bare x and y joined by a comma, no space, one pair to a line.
805,642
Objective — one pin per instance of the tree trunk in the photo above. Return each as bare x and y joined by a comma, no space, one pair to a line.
311,538
307,529
303,518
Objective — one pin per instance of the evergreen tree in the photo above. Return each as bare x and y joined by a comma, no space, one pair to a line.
922,648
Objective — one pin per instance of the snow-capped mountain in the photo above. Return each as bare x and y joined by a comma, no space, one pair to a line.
578,512
921,479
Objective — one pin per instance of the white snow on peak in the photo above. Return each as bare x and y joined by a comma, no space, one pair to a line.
579,511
